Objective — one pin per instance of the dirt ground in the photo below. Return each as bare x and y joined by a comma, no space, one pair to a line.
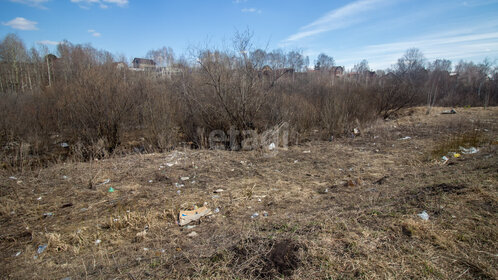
341,209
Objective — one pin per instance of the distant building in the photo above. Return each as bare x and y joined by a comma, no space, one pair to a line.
143,63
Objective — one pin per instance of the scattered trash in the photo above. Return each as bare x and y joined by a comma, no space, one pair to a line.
105,182
150,181
217,210
184,178
296,161
178,191
307,152
265,214
41,248
185,217
405,138
259,199
219,190
471,150
457,155
445,159
255,215
83,209
215,196
192,234
356,131
424,216
111,189
48,214
17,254
190,227
64,177
12,178
146,249
39,198
271,147
452,111
64,145
98,241
170,164
179,185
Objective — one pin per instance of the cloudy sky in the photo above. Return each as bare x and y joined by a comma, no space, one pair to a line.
377,30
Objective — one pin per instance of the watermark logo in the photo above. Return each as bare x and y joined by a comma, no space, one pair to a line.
269,141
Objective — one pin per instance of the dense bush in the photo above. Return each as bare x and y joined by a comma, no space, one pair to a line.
86,98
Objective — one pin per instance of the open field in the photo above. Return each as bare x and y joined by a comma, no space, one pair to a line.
345,210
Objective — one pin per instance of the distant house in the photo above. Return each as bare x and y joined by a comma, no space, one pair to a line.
337,71
143,63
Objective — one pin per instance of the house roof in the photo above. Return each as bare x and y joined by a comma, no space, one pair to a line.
143,61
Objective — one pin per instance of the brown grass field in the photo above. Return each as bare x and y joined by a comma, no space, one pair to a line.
346,210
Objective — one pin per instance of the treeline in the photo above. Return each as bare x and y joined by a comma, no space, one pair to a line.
82,103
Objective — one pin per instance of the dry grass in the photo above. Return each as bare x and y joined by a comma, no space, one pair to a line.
346,210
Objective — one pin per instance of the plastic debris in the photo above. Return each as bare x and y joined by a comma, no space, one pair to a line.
217,210
190,227
296,161
452,111
111,189
12,178
150,181
307,152
178,191
185,217
255,215
192,234
471,150
64,177
179,185
48,214
271,147
445,159
405,138
170,164
98,241
184,178
457,155
105,182
64,145
39,198
41,248
356,131
17,254
219,190
424,216
215,196
265,214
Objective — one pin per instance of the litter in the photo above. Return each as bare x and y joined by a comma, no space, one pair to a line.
405,138
271,147
190,227
217,210
307,152
296,161
48,214
219,190
150,181
471,150
255,215
452,111
179,185
17,254
184,178
265,214
185,217
105,182
111,189
170,164
192,234
64,177
445,159
39,198
64,145
98,241
215,196
424,216
178,191
41,248
457,155
12,178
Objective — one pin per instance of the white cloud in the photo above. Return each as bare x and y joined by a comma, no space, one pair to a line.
86,4
239,1
32,3
21,24
94,33
251,10
342,17
48,42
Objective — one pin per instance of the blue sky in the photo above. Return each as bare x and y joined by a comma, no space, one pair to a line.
377,30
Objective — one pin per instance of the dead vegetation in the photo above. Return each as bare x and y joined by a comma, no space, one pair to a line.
345,210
